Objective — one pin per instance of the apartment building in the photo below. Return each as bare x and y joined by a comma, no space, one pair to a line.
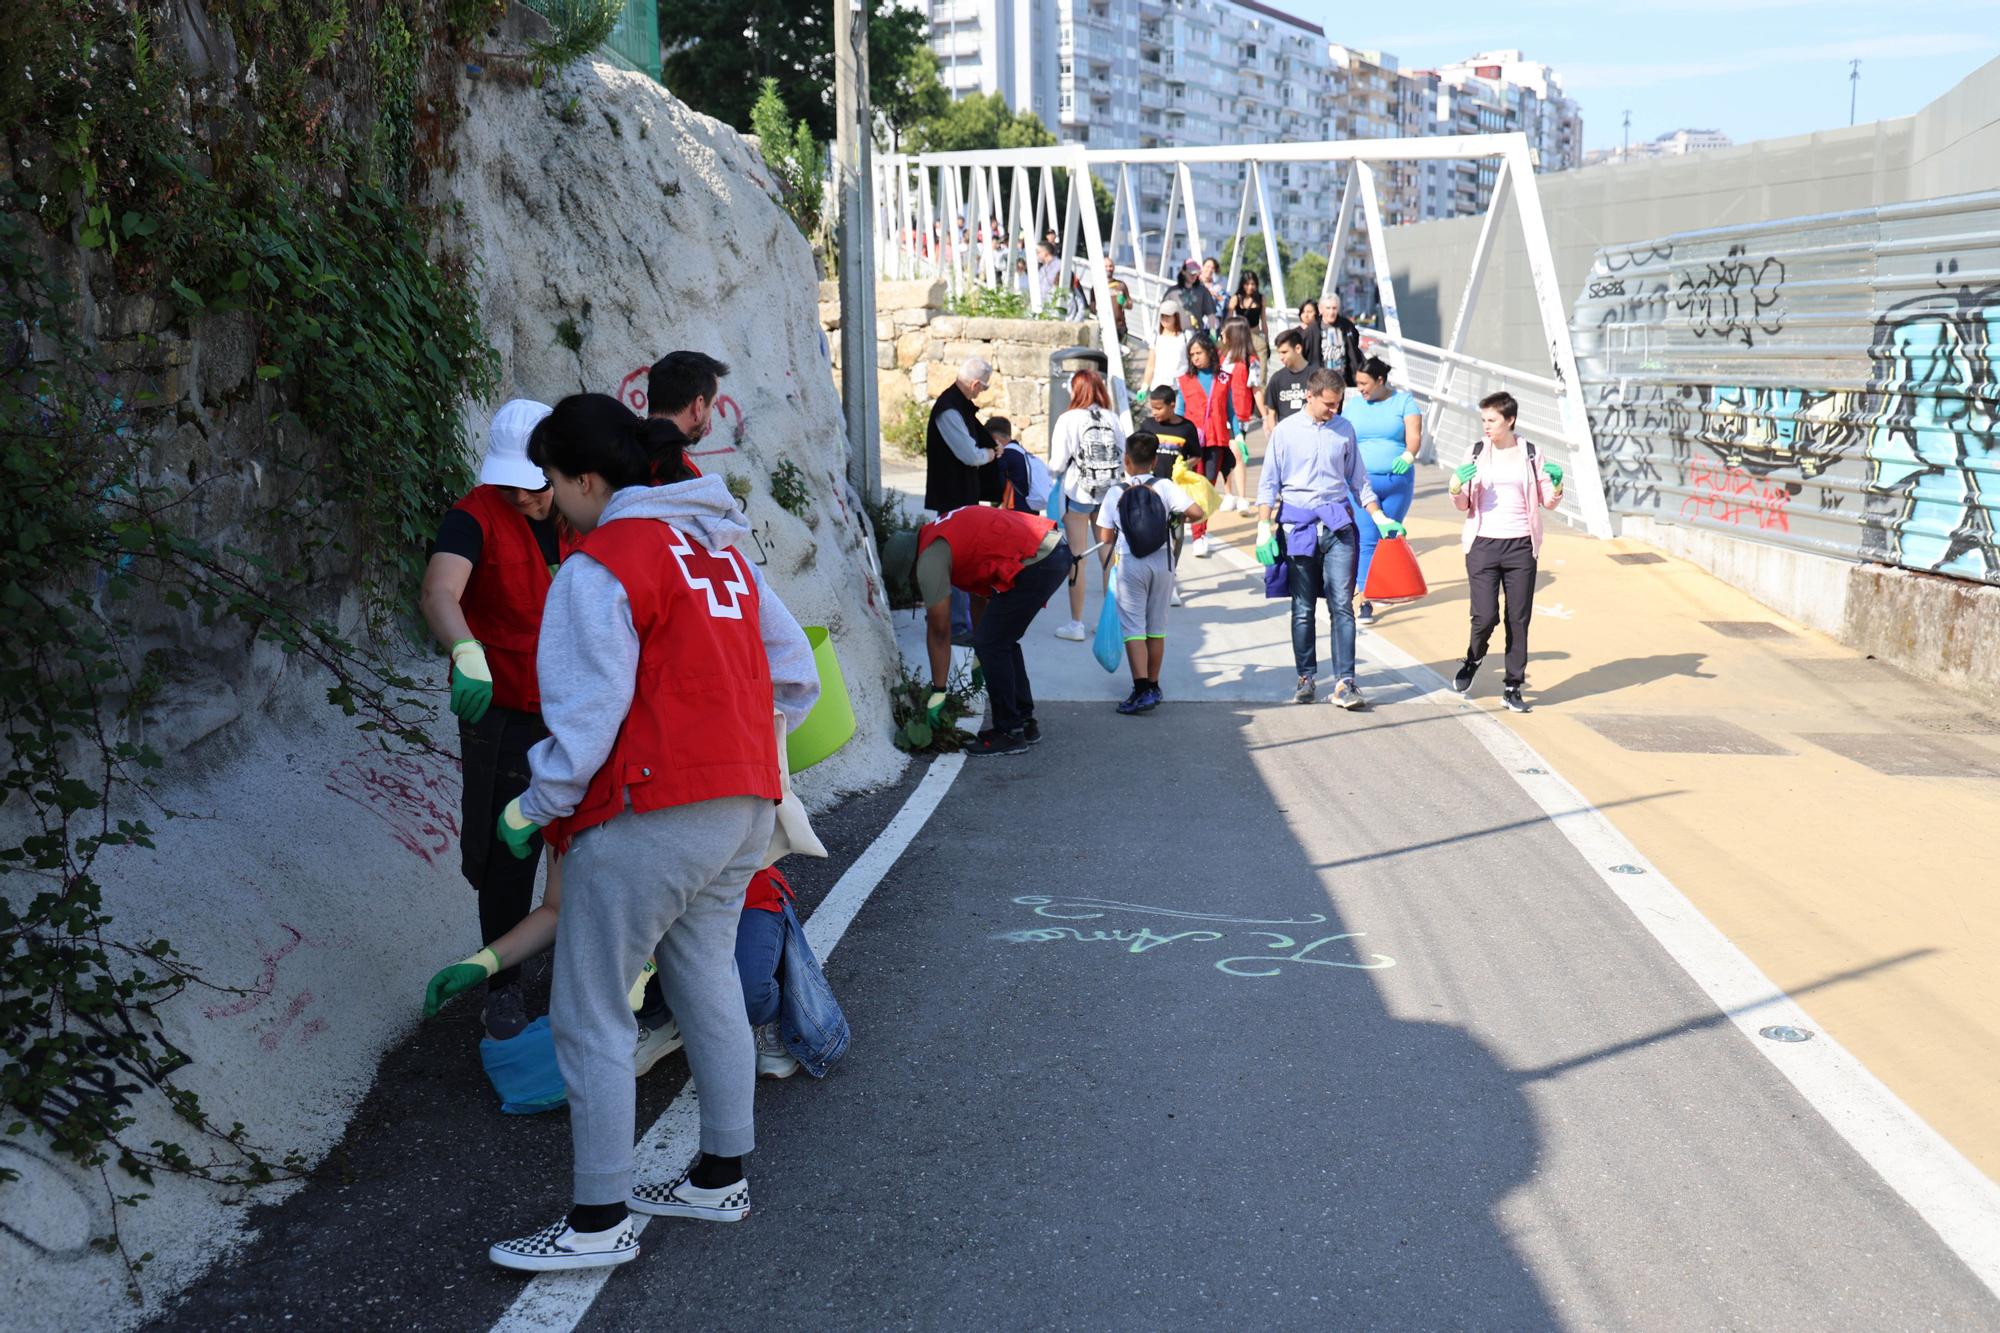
1160,73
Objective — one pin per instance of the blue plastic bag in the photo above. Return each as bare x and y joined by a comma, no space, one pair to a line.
1109,646
1055,508
523,1070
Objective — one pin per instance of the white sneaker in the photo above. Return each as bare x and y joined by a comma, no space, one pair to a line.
1201,547
655,1045
773,1060
730,1203
1073,631
556,1248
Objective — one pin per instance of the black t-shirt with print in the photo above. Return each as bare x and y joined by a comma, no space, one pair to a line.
1178,439
1285,390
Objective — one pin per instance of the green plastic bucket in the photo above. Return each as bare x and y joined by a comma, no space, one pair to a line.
831,721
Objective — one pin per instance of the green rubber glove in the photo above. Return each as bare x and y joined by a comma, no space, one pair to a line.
1555,473
636,997
1389,527
1462,474
1400,466
978,676
458,979
1267,543
516,829
934,708
1243,451
471,680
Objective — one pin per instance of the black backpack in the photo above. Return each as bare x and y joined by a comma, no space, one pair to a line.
1142,517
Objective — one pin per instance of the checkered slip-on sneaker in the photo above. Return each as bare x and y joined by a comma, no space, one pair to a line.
731,1203
556,1248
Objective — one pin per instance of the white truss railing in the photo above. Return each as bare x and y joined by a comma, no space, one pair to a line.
962,217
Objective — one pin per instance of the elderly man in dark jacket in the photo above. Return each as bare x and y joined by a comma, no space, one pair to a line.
960,458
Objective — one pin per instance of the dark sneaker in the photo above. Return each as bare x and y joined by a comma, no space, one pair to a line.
998,742
1031,732
683,1198
1133,702
1304,693
1151,699
1366,615
1511,696
1462,682
556,1248
505,1015
1345,695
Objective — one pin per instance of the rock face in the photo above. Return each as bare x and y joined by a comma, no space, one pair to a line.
616,225
321,882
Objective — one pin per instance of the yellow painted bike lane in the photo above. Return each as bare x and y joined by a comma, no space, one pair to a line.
1832,816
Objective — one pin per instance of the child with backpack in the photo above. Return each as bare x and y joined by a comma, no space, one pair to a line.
1136,511
1024,479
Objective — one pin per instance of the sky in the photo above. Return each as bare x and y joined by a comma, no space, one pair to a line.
1754,69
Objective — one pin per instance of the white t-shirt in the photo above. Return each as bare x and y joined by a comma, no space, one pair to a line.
1173,497
1170,359
1506,489
1087,446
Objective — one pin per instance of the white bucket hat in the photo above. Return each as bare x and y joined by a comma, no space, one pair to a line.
506,462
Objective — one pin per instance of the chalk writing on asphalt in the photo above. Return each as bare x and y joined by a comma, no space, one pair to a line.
1280,949
1090,909
1138,940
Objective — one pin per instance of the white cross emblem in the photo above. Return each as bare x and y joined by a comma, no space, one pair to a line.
736,585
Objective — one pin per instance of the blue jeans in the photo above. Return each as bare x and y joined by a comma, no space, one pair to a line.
1396,494
760,943
1329,574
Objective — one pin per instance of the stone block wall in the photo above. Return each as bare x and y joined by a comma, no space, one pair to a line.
918,349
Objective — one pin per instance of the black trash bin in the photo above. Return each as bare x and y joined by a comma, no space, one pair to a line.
1065,362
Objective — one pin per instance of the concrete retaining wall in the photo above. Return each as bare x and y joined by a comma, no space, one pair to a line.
1923,623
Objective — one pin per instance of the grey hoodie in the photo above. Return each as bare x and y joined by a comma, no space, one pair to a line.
589,650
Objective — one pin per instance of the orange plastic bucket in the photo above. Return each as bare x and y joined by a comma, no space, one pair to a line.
1394,576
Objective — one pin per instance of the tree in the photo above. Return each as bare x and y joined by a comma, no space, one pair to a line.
719,52
1303,275
792,154
979,122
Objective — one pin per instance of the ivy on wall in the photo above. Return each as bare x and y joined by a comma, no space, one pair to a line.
271,164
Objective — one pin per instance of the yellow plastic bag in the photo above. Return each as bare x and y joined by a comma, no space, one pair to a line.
1198,489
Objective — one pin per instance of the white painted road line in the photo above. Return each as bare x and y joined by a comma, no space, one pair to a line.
1952,1195
559,1301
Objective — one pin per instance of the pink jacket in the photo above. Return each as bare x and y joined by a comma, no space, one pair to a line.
1467,499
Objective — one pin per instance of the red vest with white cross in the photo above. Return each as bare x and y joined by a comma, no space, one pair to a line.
700,725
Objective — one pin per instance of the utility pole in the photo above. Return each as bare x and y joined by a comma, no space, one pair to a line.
852,140
1627,154
1853,87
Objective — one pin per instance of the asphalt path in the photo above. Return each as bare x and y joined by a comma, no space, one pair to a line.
1235,1013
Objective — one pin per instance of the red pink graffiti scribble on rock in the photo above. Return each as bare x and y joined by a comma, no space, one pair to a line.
730,421
1731,495
415,798
274,1029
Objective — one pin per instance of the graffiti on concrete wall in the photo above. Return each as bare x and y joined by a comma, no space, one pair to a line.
1767,382
1934,448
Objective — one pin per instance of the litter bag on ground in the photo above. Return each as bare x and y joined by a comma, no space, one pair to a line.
523,1070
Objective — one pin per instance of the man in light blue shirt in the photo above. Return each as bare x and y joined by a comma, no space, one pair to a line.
1313,481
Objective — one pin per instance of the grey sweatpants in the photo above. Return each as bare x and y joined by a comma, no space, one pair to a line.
666,884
